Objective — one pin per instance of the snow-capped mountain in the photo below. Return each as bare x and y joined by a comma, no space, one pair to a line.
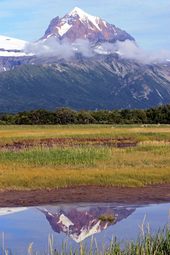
82,223
81,62
80,25
11,47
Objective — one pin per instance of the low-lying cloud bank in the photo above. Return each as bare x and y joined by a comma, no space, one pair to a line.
129,50
63,49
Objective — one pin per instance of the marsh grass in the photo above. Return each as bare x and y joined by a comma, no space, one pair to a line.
148,244
63,167
140,133
107,218
39,167
80,156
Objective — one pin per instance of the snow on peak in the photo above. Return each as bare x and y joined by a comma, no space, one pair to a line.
78,11
64,28
87,232
85,17
65,221
8,43
11,47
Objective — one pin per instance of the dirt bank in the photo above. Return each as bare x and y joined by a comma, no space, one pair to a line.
149,194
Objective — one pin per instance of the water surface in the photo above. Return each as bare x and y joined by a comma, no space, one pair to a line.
76,223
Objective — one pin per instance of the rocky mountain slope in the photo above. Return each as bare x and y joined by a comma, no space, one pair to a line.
80,25
103,79
93,84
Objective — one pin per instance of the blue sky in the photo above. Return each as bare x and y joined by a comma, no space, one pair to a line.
146,20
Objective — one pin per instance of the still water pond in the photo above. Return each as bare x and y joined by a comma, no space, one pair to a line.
76,223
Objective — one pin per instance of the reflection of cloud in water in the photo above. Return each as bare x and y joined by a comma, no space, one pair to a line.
80,223
6,211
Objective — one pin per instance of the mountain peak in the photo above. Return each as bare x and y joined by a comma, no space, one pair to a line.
78,11
78,24
84,16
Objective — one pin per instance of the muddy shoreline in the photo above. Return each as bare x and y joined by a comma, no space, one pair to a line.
144,195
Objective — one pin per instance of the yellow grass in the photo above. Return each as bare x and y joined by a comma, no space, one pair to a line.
26,177
148,163
79,130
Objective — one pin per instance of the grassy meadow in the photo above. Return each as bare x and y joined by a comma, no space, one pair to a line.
84,162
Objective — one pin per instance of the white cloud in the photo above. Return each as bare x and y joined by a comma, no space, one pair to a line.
129,50
54,48
63,49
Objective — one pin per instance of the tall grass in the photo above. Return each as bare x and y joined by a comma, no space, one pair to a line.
80,156
158,244
148,163
62,167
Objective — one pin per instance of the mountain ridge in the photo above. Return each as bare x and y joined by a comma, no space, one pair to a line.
89,85
102,80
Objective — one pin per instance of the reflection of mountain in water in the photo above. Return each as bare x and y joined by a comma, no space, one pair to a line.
82,222
6,210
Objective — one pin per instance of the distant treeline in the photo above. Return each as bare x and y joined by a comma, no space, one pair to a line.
67,116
